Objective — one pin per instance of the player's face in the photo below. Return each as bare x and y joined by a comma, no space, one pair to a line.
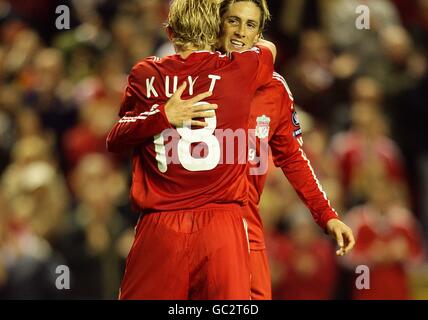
240,26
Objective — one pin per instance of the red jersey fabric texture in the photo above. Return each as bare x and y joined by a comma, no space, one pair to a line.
159,184
276,126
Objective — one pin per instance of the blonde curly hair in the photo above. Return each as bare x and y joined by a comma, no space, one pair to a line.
194,23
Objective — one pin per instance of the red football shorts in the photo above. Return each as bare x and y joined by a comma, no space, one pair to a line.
189,254
261,287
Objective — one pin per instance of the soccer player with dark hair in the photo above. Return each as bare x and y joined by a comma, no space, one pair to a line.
191,240
275,124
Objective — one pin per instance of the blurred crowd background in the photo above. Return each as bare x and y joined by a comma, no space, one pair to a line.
362,97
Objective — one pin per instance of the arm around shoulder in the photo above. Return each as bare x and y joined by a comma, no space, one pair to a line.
270,45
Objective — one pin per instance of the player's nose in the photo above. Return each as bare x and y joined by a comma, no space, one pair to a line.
240,31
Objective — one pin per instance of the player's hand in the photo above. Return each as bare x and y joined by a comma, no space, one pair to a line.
342,234
179,111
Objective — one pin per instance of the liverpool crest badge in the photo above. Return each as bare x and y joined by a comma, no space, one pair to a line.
262,127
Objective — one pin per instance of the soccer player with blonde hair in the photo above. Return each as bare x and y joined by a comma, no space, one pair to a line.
275,123
191,240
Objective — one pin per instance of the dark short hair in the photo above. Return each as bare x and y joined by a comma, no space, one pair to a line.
261,4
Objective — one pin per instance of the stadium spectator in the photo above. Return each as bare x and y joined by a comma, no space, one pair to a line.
389,241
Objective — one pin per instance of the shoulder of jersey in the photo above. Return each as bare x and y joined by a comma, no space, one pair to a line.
279,80
147,60
154,58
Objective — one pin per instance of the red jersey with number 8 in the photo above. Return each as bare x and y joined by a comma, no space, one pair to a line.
189,167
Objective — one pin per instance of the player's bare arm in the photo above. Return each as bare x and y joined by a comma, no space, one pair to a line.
342,234
179,111
270,45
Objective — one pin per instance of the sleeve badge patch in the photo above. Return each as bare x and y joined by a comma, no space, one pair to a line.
295,119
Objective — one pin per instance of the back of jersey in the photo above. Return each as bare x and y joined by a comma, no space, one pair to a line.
186,167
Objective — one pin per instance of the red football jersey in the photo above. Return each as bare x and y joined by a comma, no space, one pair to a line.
276,125
185,168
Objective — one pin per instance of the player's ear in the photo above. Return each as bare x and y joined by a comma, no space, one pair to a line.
169,32
257,38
